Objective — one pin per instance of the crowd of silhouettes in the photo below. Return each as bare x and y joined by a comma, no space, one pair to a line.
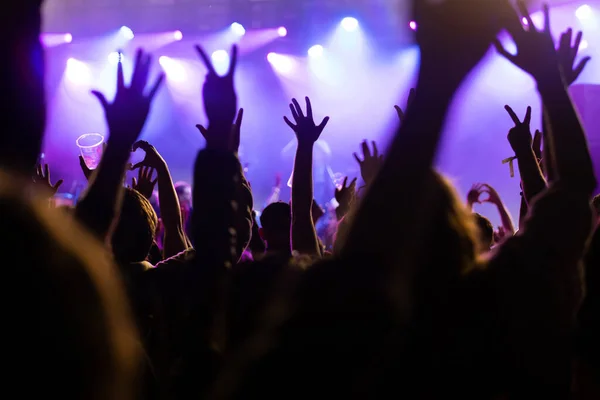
154,290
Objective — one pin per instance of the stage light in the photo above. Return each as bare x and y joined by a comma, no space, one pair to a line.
68,38
412,25
238,29
316,51
173,69
115,57
220,59
524,21
583,45
280,63
349,24
127,32
177,35
77,71
583,12
282,31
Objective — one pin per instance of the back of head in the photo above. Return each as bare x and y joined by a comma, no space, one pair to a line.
276,220
486,232
134,234
69,331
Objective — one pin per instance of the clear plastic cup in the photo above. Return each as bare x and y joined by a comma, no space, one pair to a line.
90,146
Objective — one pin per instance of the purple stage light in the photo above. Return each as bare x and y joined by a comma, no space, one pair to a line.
282,31
238,29
413,25
68,38
177,35
583,12
77,71
349,24
173,69
127,32
316,51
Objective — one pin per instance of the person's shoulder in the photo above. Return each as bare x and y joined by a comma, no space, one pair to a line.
175,263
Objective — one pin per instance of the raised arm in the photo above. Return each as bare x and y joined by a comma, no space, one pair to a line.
175,240
565,138
447,56
520,140
304,235
125,117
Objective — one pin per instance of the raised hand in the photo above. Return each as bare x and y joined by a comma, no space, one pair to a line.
399,111
567,54
127,114
220,98
535,48
493,196
153,159
519,137
42,180
307,132
144,184
370,164
344,195
474,194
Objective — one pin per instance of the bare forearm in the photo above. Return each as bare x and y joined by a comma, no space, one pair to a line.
531,175
567,137
507,222
304,236
174,240
102,202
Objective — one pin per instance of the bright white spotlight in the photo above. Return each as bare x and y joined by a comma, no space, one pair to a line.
583,12
583,45
173,69
413,25
280,63
282,31
316,51
68,38
115,57
77,71
127,32
350,24
177,35
238,29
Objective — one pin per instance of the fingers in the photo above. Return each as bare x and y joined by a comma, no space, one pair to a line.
202,130
411,97
47,172
298,108
38,170
309,112
527,119
206,60
140,144
358,160
157,85
365,149
289,123
58,184
580,67
375,151
120,77
136,166
233,64
576,45
323,123
525,13
353,184
295,114
133,183
400,113
101,99
512,114
345,181
140,71
546,11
